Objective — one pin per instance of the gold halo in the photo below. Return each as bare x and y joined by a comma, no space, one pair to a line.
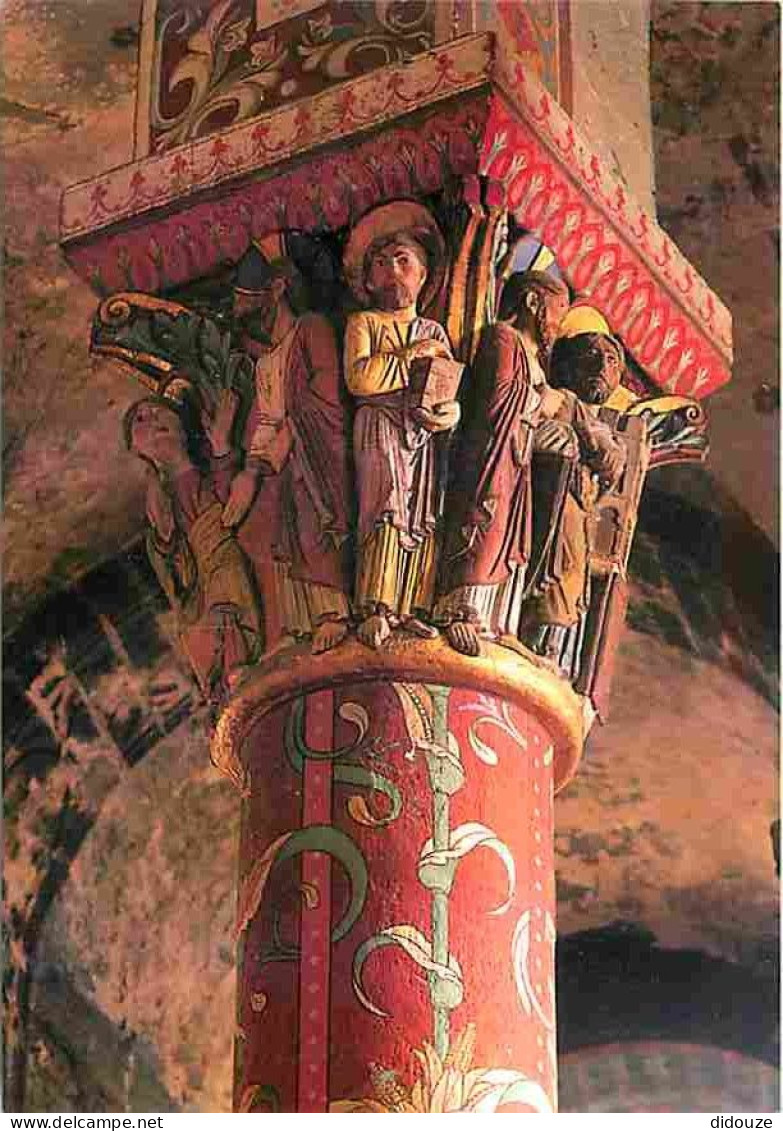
385,220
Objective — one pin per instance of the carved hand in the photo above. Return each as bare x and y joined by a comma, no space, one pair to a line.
218,427
428,347
551,402
442,418
608,464
240,498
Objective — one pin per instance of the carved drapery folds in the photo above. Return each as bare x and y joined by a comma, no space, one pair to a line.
310,477
356,416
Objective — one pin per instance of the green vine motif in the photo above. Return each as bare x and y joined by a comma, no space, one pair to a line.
425,708
314,838
346,769
321,838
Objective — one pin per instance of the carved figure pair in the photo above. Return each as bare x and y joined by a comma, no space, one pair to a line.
291,501
528,466
288,507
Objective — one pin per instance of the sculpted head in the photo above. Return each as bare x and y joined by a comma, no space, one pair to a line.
396,268
590,365
587,358
155,431
395,257
536,302
264,288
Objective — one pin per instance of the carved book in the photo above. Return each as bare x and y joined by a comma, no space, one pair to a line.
434,380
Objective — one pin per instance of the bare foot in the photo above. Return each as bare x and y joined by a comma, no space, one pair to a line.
418,628
374,631
328,635
464,637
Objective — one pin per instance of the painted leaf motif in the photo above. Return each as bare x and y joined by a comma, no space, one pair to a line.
356,714
462,841
460,1055
314,838
501,718
416,703
520,949
520,953
338,845
253,888
431,1063
357,805
311,897
447,1093
481,749
296,747
359,811
417,1096
416,946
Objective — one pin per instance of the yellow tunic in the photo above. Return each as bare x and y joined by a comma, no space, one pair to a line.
400,466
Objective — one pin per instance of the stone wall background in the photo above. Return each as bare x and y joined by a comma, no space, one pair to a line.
610,66
716,114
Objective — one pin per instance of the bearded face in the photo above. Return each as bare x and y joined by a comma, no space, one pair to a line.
395,276
255,314
549,312
591,365
598,369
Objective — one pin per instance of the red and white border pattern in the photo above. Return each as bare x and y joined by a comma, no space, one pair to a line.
611,251
263,143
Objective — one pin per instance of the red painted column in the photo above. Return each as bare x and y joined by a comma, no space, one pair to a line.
314,966
399,917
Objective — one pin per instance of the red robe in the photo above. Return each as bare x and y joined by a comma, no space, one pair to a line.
300,516
488,508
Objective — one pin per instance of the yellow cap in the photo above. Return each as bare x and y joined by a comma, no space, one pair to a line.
583,320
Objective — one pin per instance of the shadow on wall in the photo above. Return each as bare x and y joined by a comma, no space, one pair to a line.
616,984
706,578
